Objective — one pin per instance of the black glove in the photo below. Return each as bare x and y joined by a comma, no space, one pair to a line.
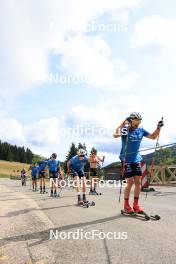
128,119
160,124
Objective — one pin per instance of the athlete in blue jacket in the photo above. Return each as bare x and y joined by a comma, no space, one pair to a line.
34,172
54,167
76,165
42,168
131,136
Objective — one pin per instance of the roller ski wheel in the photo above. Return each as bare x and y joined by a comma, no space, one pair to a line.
155,217
99,193
126,212
143,214
86,204
94,193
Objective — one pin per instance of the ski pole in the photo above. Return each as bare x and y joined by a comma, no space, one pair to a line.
123,163
153,160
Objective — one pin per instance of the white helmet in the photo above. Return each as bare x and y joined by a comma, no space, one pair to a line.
135,115
81,152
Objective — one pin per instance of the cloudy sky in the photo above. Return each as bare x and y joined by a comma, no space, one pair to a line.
72,71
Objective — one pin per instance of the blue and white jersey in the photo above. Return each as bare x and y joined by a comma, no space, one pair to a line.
34,170
42,165
77,164
53,165
131,154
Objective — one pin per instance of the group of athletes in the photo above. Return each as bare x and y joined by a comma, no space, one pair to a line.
131,134
75,168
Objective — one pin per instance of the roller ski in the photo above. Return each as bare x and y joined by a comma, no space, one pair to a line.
56,195
94,193
139,211
87,204
139,214
84,203
42,190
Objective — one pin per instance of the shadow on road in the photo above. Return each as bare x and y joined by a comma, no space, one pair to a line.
44,236
25,211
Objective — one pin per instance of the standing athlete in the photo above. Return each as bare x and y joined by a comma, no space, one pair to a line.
76,164
34,172
23,177
54,171
94,160
131,135
42,168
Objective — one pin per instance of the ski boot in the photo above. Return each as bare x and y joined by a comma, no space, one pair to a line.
128,209
44,190
91,192
80,202
84,198
137,209
55,194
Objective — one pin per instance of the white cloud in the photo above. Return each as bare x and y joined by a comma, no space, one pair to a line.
45,132
27,38
158,32
105,113
12,131
90,57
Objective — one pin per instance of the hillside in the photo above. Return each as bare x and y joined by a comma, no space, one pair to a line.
8,168
166,156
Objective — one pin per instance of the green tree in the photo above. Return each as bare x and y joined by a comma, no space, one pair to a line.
29,156
71,153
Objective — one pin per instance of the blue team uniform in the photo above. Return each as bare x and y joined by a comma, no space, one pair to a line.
42,165
131,155
53,168
77,165
134,140
34,171
42,168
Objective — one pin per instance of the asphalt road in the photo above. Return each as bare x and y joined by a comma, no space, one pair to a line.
35,228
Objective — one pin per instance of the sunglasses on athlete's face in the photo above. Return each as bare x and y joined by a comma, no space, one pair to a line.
81,156
136,119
